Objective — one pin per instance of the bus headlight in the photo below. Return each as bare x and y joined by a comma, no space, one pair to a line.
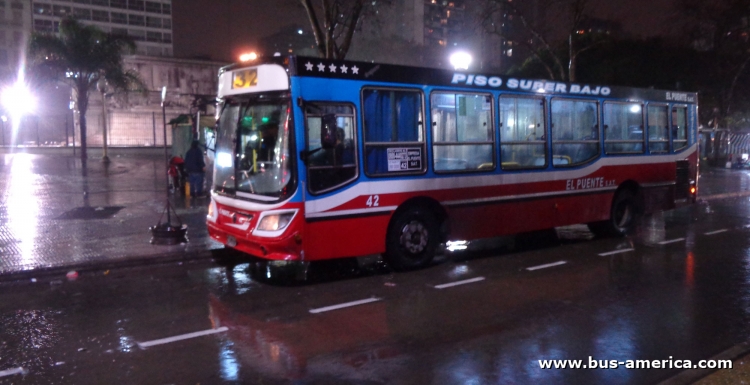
212,211
275,222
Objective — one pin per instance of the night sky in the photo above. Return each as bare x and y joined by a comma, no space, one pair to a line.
222,29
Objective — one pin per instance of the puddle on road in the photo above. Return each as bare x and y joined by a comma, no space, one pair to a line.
99,212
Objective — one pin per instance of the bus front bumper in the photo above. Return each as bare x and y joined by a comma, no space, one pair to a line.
285,248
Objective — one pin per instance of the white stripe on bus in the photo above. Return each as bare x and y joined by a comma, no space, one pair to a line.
417,184
351,212
526,196
715,232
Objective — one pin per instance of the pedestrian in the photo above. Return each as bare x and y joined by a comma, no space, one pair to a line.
195,167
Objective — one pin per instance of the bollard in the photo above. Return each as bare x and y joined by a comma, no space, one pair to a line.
187,188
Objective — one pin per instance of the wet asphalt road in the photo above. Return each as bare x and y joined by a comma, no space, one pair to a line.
688,299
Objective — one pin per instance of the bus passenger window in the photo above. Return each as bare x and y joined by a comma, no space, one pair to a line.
332,166
679,128
575,132
523,142
462,135
393,130
623,128
658,129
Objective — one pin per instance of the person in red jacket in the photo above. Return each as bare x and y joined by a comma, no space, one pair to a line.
176,173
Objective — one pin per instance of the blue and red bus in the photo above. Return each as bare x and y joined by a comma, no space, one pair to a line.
318,159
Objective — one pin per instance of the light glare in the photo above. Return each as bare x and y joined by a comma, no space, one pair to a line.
248,56
18,99
460,60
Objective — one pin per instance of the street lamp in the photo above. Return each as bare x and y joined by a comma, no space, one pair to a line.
101,85
248,56
460,60
165,233
4,119
18,101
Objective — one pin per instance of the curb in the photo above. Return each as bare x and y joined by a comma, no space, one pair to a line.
725,195
125,262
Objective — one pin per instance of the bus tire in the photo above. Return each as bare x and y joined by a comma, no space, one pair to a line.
622,217
412,239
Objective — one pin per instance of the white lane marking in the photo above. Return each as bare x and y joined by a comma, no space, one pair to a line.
615,252
671,241
715,232
144,345
464,282
10,372
558,263
343,305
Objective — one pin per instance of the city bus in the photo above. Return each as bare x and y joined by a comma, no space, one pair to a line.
318,159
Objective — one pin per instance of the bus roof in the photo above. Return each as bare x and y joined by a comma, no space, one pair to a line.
390,73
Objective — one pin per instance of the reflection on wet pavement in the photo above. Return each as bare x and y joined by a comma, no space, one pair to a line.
688,300
57,211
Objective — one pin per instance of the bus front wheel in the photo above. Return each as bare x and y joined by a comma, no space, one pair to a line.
622,217
412,239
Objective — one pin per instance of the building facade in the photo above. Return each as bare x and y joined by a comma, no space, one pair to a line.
136,118
149,23
15,27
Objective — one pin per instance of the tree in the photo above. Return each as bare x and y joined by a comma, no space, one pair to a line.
551,48
720,29
80,56
334,22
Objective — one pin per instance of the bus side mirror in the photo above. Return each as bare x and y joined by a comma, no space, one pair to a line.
210,137
328,131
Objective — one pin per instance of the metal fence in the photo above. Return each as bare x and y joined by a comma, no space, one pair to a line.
124,129
50,130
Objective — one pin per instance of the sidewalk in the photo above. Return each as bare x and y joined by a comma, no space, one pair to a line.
57,214
718,183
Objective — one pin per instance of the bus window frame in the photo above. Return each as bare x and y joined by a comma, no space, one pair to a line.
493,142
546,110
669,131
307,142
687,129
643,125
243,100
422,144
598,141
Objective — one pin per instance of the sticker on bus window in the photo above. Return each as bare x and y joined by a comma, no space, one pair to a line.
404,159
245,78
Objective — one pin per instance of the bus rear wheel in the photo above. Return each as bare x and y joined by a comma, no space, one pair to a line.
622,217
412,239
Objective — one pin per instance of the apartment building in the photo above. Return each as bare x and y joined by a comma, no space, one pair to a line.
149,23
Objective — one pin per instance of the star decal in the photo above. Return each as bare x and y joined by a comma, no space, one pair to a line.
344,68
309,66
332,67
321,67
355,70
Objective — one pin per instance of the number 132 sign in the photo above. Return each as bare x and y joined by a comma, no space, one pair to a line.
245,78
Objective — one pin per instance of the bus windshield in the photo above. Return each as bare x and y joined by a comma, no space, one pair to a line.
252,149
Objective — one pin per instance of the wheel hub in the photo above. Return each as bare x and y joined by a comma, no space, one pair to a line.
414,237
623,215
